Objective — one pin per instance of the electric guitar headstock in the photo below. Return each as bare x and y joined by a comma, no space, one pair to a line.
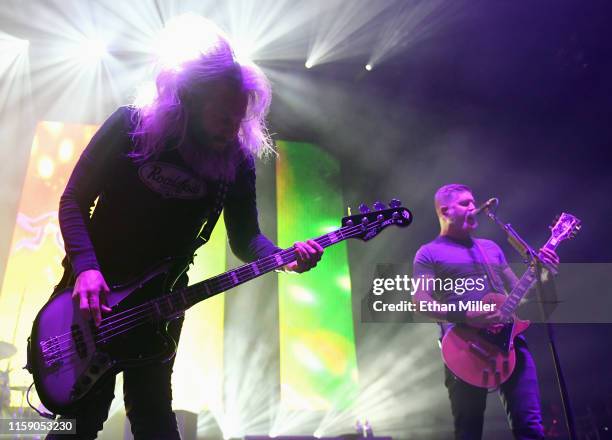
369,222
565,227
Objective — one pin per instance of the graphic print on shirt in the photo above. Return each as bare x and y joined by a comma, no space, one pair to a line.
171,181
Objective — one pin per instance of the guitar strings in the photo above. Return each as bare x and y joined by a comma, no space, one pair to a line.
267,264
126,314
240,270
144,312
136,314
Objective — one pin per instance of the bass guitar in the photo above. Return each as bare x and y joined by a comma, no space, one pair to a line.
70,358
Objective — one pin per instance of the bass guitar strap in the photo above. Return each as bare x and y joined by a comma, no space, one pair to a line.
176,278
213,217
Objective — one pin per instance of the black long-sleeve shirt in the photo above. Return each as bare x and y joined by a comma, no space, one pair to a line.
147,211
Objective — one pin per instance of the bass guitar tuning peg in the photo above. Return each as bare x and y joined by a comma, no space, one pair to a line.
363,208
379,206
395,203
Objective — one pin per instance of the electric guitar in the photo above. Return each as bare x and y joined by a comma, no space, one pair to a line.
70,358
485,356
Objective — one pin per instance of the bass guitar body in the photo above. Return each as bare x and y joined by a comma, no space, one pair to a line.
484,357
70,358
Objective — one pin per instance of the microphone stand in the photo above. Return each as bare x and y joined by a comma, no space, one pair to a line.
530,256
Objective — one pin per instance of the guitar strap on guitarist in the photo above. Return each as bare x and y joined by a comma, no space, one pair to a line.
202,238
495,281
214,215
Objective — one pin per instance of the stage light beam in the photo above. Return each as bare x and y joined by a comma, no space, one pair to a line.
343,31
412,22
90,51
185,37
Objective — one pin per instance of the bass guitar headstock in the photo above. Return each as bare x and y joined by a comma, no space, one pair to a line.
369,222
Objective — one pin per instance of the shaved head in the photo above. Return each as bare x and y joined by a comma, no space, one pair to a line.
446,193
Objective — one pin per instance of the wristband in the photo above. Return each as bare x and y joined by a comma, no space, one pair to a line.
457,316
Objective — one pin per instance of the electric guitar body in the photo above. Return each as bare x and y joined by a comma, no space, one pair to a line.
483,357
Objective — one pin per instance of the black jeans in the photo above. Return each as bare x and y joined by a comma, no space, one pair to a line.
147,394
519,394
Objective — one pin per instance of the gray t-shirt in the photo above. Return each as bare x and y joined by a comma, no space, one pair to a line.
448,259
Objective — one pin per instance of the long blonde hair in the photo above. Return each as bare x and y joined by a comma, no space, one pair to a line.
164,120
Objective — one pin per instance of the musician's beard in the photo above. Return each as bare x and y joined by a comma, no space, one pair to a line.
209,163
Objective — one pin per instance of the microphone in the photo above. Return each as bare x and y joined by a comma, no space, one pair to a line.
486,205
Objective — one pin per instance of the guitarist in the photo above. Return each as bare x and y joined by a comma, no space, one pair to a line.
456,254
158,172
